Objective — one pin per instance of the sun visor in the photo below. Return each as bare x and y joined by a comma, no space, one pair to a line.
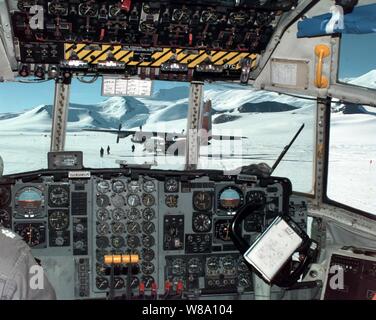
360,21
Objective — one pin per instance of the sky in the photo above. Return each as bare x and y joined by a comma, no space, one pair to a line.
357,58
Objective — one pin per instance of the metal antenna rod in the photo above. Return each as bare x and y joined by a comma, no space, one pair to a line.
286,149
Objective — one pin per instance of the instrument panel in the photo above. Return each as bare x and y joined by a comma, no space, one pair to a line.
178,225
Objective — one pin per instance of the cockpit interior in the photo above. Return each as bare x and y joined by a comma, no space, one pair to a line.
192,150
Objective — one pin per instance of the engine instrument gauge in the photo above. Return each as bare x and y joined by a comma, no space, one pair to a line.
101,283
102,201
118,214
147,254
257,197
133,242
212,263
116,11
134,214
118,228
29,202
148,214
103,186
133,200
148,200
171,185
148,281
148,227
171,201
230,198
119,283
238,18
103,228
117,200
209,16
149,186
201,222
102,242
148,241
178,267
147,267
133,228
58,219
117,242
148,8
58,196
102,215
202,200
58,8
194,266
134,186
118,186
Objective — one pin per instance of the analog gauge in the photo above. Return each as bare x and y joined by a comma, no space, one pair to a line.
257,197
103,228
222,230
133,242
178,267
103,215
172,185
147,254
148,281
230,198
212,263
118,214
24,5
148,9
148,200
244,280
102,242
32,233
100,269
148,241
201,222
101,283
118,228
209,17
134,186
181,15
117,200
134,214
194,266
103,186
58,196
228,263
29,201
115,11
57,8
119,283
117,242
135,282
238,18
148,227
5,218
202,200
118,186
133,200
133,228
147,267
4,196
58,220
88,9
242,267
149,186
102,201
148,214
100,255
171,201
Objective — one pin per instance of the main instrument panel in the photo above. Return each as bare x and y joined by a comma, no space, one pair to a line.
176,223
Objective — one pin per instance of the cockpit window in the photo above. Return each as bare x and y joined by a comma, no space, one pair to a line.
357,60
25,125
246,127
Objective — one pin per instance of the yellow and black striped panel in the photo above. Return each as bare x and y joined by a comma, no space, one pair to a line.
93,55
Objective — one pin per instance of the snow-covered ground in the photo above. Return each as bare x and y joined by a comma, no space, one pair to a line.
25,137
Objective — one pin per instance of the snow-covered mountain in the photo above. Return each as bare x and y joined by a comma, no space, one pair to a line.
231,103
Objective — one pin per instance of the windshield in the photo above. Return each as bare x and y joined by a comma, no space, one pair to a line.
247,127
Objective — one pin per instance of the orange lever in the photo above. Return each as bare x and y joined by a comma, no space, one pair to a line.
321,51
